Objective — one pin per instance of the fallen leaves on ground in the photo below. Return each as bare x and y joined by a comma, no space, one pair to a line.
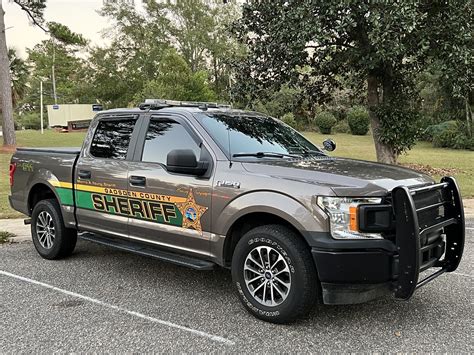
430,170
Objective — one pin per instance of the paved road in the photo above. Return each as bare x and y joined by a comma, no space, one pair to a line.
101,299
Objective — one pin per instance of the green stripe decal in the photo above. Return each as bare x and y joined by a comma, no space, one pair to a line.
65,196
149,210
175,210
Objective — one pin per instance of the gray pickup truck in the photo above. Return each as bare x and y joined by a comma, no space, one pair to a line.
203,185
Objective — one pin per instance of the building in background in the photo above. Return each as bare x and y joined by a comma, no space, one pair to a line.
72,116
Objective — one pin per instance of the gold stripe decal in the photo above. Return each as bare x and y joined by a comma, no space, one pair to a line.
119,192
56,183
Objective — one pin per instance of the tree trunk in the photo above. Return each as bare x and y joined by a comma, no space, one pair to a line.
216,75
8,125
469,122
385,153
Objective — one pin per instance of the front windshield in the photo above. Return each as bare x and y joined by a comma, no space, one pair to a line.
254,134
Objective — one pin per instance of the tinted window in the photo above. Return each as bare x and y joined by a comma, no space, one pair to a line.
163,136
111,139
254,133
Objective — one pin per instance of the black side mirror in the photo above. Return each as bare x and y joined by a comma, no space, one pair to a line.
183,161
329,145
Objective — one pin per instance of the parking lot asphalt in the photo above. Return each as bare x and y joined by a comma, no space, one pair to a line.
101,299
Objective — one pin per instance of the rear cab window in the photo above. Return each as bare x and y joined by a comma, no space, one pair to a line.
112,138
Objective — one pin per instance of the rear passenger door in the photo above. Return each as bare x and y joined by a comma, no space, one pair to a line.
101,175
171,210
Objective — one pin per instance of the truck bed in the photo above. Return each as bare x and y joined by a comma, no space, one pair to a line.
62,150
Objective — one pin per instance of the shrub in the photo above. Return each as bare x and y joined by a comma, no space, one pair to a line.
342,127
358,119
451,134
289,119
435,130
325,121
30,120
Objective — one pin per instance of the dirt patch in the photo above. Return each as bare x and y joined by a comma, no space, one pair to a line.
428,169
7,149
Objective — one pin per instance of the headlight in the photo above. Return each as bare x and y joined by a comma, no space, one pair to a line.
343,214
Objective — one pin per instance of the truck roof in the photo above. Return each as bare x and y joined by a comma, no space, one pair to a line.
151,105
175,109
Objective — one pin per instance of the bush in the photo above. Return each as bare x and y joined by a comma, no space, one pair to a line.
289,119
30,121
435,130
325,121
450,134
358,119
342,127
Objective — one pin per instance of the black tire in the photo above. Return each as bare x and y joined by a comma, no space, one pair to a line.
64,240
303,291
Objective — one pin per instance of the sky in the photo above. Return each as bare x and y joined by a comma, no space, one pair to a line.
79,15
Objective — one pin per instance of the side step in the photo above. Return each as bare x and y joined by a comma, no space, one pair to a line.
146,250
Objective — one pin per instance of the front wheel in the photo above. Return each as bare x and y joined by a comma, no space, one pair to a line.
51,238
274,274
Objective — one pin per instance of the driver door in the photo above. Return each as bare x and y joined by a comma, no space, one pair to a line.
171,210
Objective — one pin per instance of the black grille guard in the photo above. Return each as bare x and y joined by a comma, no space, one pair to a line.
408,234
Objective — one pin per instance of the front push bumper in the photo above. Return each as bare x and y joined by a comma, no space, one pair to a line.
428,233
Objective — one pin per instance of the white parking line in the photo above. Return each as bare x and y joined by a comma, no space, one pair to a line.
120,309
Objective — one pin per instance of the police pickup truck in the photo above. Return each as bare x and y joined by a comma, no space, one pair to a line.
203,185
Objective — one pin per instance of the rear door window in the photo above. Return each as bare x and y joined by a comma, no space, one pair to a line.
112,139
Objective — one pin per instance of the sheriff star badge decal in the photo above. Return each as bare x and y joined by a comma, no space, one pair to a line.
191,212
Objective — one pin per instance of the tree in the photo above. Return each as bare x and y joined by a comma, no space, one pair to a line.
316,44
119,71
34,10
67,68
19,74
176,81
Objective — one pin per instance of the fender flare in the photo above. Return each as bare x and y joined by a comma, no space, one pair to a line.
266,201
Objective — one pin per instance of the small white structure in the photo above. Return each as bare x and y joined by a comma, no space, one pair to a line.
59,115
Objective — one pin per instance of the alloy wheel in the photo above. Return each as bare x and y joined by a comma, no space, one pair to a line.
267,276
45,230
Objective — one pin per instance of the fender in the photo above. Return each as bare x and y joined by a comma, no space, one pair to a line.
47,178
272,202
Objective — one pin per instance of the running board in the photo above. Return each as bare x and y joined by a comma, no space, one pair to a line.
146,250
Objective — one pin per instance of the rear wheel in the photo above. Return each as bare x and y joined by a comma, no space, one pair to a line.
51,238
274,274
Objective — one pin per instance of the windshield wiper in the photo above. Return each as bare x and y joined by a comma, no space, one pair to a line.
264,154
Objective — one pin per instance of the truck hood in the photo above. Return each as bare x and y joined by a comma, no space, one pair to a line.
346,177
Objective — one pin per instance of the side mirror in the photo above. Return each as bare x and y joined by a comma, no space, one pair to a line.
329,145
183,161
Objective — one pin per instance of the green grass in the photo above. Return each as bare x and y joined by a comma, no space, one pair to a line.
5,237
459,163
462,161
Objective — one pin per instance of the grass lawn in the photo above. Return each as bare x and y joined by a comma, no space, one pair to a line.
459,163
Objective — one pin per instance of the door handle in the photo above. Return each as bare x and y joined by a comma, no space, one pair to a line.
137,180
84,174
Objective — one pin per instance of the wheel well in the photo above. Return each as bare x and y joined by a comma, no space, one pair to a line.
37,193
248,222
